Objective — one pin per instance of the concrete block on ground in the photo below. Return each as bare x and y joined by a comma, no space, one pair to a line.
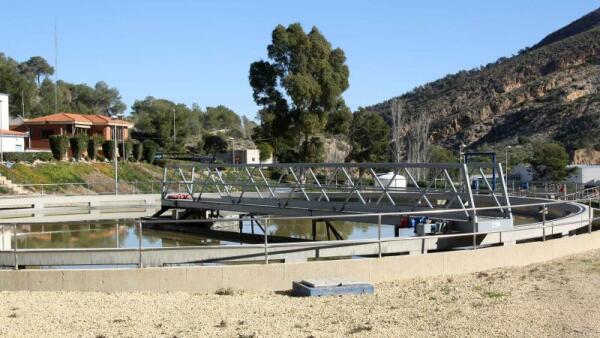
330,287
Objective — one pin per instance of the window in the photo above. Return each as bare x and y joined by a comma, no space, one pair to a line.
46,133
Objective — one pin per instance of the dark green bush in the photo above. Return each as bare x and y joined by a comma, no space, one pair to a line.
78,144
125,149
59,145
149,150
137,151
28,157
108,148
93,143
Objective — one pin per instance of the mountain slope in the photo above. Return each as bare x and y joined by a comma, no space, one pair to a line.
546,92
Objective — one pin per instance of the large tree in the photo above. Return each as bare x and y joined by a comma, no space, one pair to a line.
155,118
549,161
222,118
369,138
36,67
298,89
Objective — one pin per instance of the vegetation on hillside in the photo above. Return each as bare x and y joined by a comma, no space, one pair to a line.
549,93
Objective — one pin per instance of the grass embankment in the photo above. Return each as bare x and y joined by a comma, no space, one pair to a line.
95,176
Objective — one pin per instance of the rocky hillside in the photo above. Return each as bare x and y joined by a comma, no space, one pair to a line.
549,91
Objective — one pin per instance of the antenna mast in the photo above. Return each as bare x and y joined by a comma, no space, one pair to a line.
55,68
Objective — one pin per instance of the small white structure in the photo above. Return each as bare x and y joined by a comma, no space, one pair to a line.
522,173
243,156
392,181
10,140
584,173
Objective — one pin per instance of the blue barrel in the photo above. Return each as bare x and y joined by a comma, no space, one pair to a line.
525,185
475,184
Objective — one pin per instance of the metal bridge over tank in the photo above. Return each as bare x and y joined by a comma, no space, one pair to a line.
313,189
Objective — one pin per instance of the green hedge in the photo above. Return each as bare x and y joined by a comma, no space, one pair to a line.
125,153
28,157
108,148
137,151
92,148
78,144
59,145
149,151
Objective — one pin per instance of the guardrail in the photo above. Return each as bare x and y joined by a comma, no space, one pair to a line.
142,256
89,188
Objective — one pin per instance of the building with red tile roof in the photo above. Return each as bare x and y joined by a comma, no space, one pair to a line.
40,129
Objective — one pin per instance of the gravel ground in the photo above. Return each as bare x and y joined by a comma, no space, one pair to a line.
557,299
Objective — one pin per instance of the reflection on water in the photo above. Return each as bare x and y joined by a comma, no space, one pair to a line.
124,233
101,234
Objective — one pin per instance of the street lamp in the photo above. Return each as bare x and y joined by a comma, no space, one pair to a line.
174,138
231,139
1,136
508,148
461,148
115,117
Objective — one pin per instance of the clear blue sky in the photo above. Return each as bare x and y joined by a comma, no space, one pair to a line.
200,51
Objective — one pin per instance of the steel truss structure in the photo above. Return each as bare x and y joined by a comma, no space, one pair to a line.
331,188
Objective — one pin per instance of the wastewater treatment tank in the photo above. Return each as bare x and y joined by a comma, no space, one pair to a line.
392,181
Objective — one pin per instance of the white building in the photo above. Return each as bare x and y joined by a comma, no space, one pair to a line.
585,173
10,140
392,181
243,156
522,173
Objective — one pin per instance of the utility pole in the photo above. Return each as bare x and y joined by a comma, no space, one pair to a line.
22,105
113,117
174,137
508,148
55,69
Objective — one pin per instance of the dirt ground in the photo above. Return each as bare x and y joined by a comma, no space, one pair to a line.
560,298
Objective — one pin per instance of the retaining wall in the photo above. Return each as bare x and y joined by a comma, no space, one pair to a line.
280,276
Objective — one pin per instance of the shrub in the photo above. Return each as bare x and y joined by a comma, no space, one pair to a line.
137,151
59,145
78,144
265,151
28,157
149,151
125,149
92,146
108,149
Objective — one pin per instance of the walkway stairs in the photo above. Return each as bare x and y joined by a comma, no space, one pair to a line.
5,183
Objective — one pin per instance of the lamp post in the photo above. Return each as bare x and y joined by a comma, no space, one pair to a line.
508,148
231,139
174,137
1,136
115,117
461,148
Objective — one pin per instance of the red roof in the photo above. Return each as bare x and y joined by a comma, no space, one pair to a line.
12,133
77,118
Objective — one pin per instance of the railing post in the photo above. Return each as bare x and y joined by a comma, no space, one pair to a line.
591,215
379,233
15,246
265,229
544,222
140,264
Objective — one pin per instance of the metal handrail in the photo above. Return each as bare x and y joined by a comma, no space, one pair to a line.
324,244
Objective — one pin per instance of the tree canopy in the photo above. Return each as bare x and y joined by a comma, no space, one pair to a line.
369,138
549,161
32,90
214,144
298,89
155,117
